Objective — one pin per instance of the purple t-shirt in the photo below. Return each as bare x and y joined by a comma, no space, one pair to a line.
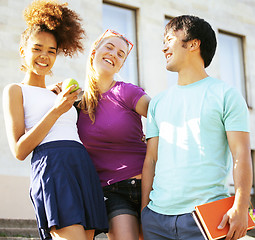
114,141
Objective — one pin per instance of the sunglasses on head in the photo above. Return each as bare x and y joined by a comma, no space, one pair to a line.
112,32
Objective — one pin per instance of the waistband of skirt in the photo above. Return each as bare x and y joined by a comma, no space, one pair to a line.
57,144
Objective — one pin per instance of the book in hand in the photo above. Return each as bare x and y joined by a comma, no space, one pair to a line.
208,217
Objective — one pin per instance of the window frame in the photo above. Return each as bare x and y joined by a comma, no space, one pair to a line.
135,41
242,60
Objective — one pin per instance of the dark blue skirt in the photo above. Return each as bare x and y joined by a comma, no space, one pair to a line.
65,188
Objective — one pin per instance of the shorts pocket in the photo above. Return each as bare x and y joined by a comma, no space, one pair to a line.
143,211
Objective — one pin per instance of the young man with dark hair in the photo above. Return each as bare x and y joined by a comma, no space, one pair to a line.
192,130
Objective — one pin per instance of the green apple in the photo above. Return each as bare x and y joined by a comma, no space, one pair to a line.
68,83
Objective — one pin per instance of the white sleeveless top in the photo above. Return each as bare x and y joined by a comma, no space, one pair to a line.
37,102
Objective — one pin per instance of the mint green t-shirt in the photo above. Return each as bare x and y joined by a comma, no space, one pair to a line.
193,153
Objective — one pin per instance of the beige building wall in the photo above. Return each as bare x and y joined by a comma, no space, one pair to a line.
233,16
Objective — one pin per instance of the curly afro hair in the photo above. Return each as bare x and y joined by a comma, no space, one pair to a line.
56,18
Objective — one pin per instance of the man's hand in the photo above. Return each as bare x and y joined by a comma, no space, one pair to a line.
238,221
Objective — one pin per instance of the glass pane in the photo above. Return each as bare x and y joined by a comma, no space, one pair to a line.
122,20
231,71
231,61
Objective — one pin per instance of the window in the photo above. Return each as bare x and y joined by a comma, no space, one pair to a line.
172,77
123,20
232,61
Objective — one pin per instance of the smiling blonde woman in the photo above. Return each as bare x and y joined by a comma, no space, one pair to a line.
110,128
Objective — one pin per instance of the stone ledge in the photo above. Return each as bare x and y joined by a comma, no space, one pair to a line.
24,229
251,232
18,223
18,238
19,232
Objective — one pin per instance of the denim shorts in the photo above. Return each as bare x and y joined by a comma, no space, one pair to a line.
123,197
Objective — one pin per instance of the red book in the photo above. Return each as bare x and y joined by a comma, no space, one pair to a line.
208,217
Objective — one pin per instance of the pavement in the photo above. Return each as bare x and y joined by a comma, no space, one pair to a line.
103,237
251,236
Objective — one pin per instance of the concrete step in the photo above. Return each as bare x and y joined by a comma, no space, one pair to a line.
8,237
251,232
101,236
18,229
18,238
24,229
19,232
17,223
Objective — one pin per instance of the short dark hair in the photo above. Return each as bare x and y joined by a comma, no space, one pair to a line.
196,28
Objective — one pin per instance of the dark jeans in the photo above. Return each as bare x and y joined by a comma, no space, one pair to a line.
123,198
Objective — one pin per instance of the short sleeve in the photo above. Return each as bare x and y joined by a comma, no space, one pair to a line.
152,129
236,113
132,94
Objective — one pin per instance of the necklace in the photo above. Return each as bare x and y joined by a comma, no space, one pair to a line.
111,84
108,88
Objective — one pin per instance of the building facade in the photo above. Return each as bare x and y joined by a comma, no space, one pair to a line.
141,21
